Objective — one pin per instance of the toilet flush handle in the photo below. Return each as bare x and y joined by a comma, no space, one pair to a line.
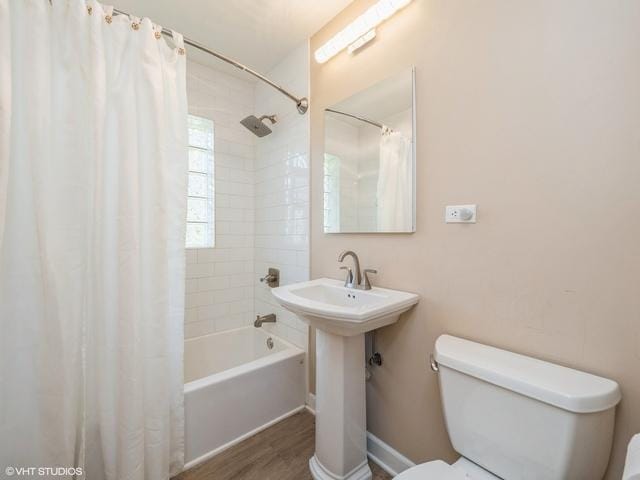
434,364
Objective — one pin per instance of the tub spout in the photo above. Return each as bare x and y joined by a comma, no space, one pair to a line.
271,318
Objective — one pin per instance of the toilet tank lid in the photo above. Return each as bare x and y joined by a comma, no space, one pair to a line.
563,387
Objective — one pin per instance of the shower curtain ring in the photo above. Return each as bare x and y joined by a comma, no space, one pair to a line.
108,14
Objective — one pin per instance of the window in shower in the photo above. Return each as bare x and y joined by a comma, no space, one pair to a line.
331,193
200,201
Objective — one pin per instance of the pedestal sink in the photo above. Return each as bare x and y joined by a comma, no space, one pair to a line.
341,316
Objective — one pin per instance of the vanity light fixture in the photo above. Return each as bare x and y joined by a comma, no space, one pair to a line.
361,30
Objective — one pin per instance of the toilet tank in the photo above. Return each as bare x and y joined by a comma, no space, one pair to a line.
524,419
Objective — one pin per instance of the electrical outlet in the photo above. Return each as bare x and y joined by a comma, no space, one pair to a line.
460,214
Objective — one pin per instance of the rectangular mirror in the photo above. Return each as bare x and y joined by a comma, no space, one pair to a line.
369,159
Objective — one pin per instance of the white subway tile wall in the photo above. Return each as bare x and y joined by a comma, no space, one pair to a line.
282,193
261,201
220,280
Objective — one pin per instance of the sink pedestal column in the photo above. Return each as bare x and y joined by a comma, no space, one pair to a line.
341,425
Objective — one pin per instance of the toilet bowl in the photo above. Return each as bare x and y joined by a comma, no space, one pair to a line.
518,418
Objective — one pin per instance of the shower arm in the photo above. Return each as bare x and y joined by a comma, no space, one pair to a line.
272,118
302,104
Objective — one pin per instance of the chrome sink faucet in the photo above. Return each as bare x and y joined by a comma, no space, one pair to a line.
355,279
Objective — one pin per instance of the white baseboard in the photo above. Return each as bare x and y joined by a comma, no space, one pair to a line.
382,454
235,441
311,403
386,457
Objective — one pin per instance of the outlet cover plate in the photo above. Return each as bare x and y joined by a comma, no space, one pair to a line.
456,214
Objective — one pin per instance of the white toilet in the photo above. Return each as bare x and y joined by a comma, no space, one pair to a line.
513,417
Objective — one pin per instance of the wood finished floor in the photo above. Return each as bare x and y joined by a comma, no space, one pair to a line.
280,452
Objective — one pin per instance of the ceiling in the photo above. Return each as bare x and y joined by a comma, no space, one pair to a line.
258,33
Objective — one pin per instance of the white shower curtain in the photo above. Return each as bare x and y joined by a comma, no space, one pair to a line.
395,183
93,168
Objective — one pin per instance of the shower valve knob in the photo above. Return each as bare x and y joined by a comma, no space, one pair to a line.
272,278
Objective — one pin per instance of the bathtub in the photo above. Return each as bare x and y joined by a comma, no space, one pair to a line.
235,386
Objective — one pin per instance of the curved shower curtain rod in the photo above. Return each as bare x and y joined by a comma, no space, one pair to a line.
357,117
302,103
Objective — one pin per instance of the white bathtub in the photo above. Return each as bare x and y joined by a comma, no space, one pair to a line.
236,386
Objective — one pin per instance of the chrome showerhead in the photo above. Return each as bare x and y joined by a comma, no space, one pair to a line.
257,126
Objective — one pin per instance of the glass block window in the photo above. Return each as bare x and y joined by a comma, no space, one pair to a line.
200,201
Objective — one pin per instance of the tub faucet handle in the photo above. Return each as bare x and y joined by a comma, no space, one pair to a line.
272,278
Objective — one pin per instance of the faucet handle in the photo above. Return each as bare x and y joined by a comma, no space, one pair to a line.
365,277
348,282
272,278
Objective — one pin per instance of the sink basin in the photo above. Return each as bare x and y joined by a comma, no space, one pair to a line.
328,305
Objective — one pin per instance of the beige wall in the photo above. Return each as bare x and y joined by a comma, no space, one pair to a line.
531,109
